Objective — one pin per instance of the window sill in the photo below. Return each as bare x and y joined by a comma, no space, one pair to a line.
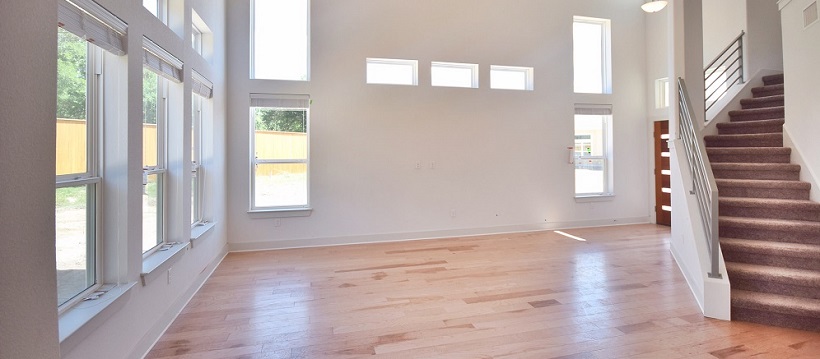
280,213
198,230
160,259
81,314
595,198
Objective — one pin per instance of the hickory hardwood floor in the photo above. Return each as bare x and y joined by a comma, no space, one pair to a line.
528,295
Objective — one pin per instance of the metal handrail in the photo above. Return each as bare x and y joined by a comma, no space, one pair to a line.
716,89
703,180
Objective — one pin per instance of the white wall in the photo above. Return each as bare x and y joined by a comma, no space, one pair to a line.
501,157
764,44
801,54
28,312
722,22
29,321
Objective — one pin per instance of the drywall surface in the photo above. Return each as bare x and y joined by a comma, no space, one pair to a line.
722,22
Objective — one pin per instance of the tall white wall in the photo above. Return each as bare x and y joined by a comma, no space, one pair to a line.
28,282
29,320
500,156
764,40
801,54
722,22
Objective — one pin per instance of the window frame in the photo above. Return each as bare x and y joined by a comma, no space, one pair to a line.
92,178
473,68
413,64
197,171
161,168
529,77
606,53
162,10
605,112
252,39
255,161
196,38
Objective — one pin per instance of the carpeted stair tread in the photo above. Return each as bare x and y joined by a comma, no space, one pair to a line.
756,171
800,210
773,79
765,101
763,184
799,250
745,140
804,205
786,189
776,303
790,276
752,114
769,224
748,127
768,90
757,154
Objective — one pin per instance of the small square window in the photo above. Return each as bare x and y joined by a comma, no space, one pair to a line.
511,78
662,93
449,74
392,72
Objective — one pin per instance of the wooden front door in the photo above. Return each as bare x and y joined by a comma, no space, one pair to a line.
663,197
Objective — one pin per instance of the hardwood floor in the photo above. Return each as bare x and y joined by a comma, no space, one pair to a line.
610,292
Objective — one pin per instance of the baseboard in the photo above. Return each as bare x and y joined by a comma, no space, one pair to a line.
806,173
150,339
411,236
687,275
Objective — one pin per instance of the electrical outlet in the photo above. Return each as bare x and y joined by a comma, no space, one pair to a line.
433,165
169,275
418,165
277,222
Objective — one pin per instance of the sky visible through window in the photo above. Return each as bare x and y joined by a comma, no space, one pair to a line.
280,48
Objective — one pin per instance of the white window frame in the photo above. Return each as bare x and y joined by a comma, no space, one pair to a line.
253,45
435,71
92,177
412,64
279,102
606,112
162,10
161,168
606,52
528,73
197,172
662,93
196,39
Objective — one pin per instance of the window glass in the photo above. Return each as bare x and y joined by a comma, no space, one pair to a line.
511,78
591,55
592,154
454,74
392,72
280,41
280,169
153,158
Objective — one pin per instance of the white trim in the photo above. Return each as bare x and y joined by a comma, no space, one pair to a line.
161,61
201,86
162,257
473,68
73,320
528,72
280,101
85,22
413,64
99,12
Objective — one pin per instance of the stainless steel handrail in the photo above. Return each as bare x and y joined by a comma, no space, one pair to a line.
703,180
719,88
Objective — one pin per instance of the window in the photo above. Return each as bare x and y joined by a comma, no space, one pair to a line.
196,39
593,150
591,55
392,71
202,92
449,74
280,40
279,161
662,93
511,78
201,36
154,113
157,7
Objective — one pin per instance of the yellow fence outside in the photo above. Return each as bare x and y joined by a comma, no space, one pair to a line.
71,148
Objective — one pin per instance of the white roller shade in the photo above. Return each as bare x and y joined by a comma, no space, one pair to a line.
92,22
201,86
593,109
161,61
280,101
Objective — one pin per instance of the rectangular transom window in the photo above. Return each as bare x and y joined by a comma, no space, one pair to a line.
511,78
279,145
280,39
392,71
591,55
593,150
450,74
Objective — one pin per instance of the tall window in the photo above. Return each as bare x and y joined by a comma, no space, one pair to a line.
591,55
78,176
280,143
196,159
280,38
593,150
154,115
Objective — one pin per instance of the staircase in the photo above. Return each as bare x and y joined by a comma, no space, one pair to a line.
769,229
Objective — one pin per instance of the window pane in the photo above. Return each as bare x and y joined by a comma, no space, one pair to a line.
280,134
194,198
453,75
589,175
75,242
152,212
72,84
589,133
507,78
151,5
589,56
280,40
150,81
278,185
391,72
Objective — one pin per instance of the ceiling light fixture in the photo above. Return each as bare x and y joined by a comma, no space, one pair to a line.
654,6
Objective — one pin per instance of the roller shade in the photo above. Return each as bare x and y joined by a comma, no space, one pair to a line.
593,109
280,101
201,86
161,61
92,22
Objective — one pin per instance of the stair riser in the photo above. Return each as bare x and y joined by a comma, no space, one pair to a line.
749,159
769,115
791,290
780,193
765,93
743,142
801,322
792,236
769,259
757,175
798,214
748,130
773,79
763,104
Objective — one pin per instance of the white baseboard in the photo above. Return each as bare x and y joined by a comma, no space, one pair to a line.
410,236
806,173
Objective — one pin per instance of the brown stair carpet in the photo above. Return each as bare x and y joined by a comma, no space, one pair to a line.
769,229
